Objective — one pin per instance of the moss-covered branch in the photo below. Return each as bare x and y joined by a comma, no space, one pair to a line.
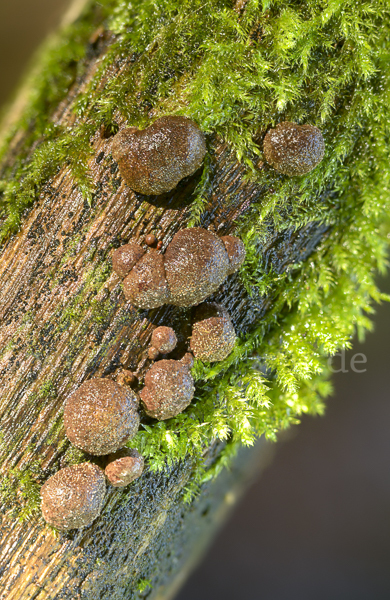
314,243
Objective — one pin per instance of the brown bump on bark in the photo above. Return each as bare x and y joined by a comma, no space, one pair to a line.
124,466
169,389
126,257
294,149
153,353
73,497
236,252
159,245
154,160
213,336
146,285
196,264
188,360
125,377
150,240
164,339
101,416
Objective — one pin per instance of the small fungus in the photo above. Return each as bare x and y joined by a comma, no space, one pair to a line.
236,252
124,466
73,497
213,336
126,257
294,149
155,159
101,416
169,389
164,339
159,245
150,240
125,377
146,285
153,353
196,264
188,360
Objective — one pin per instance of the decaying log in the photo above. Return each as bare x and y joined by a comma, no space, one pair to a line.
64,319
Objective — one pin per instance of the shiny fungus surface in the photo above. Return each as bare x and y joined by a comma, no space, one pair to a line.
101,416
126,257
213,336
294,149
124,466
73,497
146,285
196,264
164,339
236,252
169,389
155,159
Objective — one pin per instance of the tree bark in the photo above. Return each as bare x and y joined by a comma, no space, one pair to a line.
65,319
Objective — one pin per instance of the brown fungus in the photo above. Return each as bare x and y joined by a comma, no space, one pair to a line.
196,263
169,389
146,285
126,257
164,339
73,497
124,466
155,159
294,149
126,377
151,240
101,416
153,353
213,336
188,360
236,252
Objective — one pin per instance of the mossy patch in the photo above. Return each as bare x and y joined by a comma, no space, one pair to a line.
237,74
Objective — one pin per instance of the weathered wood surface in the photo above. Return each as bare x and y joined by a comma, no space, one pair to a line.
64,319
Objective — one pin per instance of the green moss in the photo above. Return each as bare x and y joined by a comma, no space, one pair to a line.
326,63
20,492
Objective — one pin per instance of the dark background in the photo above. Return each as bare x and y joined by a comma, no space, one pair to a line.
316,525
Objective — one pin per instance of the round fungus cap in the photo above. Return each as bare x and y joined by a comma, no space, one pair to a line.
73,497
146,285
101,416
213,336
164,339
126,257
155,159
236,252
294,149
196,263
124,467
169,389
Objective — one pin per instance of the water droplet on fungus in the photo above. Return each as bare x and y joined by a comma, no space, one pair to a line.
155,159
73,497
146,285
236,252
126,257
196,264
124,466
101,416
169,389
164,339
294,149
213,336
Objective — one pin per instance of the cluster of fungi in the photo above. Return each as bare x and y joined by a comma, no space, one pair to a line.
102,415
